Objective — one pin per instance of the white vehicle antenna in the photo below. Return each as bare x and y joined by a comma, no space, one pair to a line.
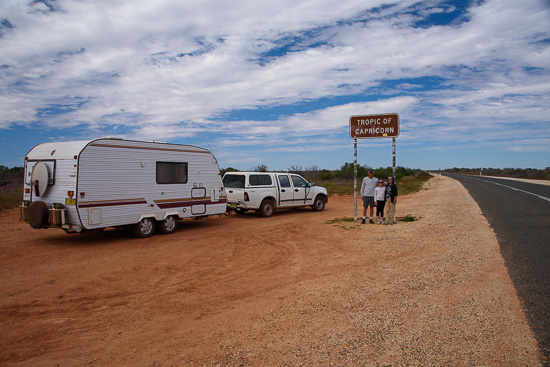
207,143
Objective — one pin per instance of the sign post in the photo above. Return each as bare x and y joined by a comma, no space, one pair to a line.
371,126
355,178
393,159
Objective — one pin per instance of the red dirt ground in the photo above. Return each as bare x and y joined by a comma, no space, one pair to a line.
293,289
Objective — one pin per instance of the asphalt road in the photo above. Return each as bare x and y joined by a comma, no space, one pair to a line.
519,213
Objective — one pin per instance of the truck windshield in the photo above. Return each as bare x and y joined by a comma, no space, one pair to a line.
233,181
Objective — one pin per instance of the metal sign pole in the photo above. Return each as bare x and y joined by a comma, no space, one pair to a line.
393,156
355,179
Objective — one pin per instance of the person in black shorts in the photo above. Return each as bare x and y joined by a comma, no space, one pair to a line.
367,192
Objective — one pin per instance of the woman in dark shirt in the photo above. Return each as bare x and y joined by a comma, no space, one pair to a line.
391,200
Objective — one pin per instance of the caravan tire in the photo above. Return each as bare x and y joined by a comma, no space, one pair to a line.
145,228
38,214
168,225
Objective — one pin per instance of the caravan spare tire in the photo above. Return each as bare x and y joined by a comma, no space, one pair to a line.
38,214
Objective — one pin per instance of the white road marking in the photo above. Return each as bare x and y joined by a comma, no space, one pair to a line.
513,188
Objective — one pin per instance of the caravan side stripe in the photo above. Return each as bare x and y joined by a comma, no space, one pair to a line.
181,204
163,204
89,204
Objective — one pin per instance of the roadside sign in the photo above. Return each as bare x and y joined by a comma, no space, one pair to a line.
371,126
374,126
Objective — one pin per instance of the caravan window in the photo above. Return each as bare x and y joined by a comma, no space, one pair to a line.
30,166
171,172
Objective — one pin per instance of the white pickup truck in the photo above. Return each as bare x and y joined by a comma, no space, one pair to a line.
266,191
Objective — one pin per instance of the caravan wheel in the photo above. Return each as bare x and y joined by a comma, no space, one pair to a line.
168,225
144,228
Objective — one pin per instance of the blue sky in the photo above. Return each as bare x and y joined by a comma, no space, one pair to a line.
275,82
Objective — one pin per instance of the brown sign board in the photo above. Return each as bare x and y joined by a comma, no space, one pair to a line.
374,126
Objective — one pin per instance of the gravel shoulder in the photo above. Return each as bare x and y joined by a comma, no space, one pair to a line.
300,288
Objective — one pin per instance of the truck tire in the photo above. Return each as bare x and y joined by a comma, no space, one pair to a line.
168,225
267,208
145,228
318,204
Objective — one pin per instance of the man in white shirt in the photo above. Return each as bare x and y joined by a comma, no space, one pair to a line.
367,192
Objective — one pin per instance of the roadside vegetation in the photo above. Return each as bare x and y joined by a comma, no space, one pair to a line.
340,182
11,187
528,173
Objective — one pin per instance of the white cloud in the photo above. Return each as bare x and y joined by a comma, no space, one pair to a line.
168,69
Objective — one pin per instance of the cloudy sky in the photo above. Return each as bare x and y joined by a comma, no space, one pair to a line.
275,82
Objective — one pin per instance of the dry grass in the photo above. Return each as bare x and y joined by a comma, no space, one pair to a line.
405,185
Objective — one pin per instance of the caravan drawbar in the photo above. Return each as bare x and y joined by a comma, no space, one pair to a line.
90,185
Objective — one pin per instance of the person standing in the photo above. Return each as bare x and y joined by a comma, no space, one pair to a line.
391,200
380,201
367,192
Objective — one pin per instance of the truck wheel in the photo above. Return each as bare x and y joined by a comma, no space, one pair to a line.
318,204
144,228
267,208
168,225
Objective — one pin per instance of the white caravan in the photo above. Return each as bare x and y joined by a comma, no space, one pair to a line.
91,185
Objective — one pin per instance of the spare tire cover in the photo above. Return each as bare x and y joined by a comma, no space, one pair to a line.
38,214
40,177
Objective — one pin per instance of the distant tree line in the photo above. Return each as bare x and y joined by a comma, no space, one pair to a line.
346,172
11,179
529,173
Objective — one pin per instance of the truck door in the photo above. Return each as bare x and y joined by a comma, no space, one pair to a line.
302,194
286,195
